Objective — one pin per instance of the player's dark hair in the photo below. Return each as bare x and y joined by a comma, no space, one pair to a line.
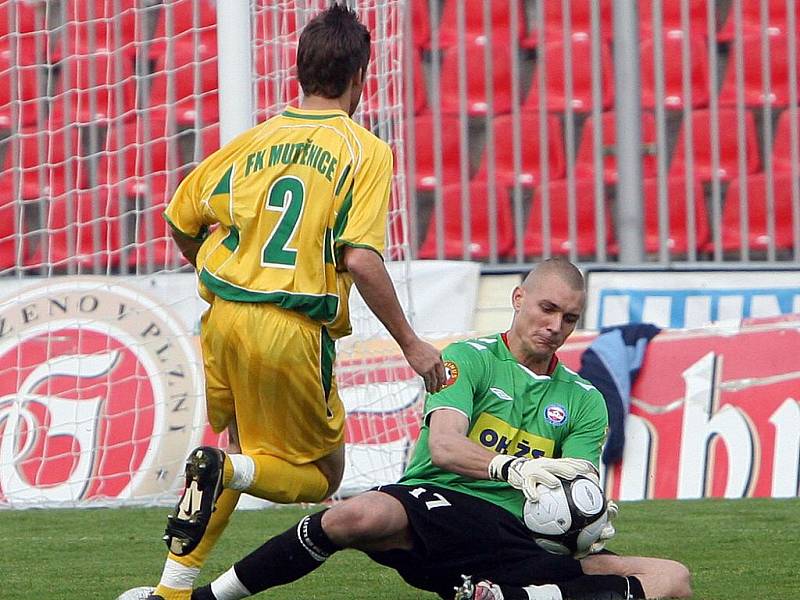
333,47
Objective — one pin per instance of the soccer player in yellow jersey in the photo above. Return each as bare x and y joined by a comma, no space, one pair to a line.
279,223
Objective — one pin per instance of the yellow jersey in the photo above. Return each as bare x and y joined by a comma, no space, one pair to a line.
275,206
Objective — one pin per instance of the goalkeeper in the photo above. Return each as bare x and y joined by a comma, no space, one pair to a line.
509,417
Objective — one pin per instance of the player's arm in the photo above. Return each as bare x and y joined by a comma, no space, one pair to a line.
188,217
375,286
452,450
188,246
589,430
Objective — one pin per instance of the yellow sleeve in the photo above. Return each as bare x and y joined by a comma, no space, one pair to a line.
187,213
364,215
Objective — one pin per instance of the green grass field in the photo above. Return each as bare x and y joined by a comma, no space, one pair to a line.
736,549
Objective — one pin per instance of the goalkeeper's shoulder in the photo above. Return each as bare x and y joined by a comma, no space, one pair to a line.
472,350
584,386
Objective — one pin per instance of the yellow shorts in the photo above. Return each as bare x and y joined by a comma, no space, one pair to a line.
271,370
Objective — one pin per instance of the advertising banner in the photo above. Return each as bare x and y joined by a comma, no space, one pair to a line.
714,413
688,299
101,399
100,393
102,389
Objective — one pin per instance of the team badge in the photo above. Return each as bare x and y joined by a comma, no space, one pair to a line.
555,414
450,372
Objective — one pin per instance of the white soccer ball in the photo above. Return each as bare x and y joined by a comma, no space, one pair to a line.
567,519
139,593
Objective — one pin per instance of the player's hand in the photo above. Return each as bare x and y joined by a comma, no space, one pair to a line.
608,531
426,360
525,473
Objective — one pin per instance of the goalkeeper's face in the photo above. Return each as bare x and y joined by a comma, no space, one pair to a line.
547,310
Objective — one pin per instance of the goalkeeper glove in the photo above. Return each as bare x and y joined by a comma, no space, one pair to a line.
608,531
525,473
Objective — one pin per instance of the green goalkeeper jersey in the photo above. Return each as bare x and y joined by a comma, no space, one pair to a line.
511,410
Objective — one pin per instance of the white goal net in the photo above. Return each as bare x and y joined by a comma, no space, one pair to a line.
104,106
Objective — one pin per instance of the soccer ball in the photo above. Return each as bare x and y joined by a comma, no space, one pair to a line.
567,519
139,593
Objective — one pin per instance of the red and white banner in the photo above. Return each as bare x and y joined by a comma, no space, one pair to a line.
101,400
100,394
715,413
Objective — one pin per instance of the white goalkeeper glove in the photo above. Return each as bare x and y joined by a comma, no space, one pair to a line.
608,531
525,473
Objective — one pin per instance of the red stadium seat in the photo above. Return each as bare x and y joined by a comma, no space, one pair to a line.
391,94
752,74
674,94
479,238
23,19
8,232
671,16
580,21
143,173
82,230
777,22
585,242
41,164
277,84
22,24
100,26
426,177
187,84
19,91
584,163
94,89
678,224
154,249
782,147
728,167
474,27
40,167
581,65
275,22
136,163
476,87
207,140
758,236
391,21
191,23
530,151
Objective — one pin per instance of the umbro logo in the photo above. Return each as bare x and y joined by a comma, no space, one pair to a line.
500,393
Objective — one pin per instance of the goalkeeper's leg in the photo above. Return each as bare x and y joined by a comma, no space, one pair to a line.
660,577
588,587
283,559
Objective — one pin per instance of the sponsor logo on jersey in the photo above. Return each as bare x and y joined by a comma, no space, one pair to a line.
450,373
495,434
500,393
555,414
99,390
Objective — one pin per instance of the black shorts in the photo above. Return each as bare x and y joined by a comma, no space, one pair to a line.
457,534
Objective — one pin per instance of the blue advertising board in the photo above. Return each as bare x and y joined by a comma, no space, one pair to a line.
688,299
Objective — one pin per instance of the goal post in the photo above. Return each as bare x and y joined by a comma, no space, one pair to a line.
111,103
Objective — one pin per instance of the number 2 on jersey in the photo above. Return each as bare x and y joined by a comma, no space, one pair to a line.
286,196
